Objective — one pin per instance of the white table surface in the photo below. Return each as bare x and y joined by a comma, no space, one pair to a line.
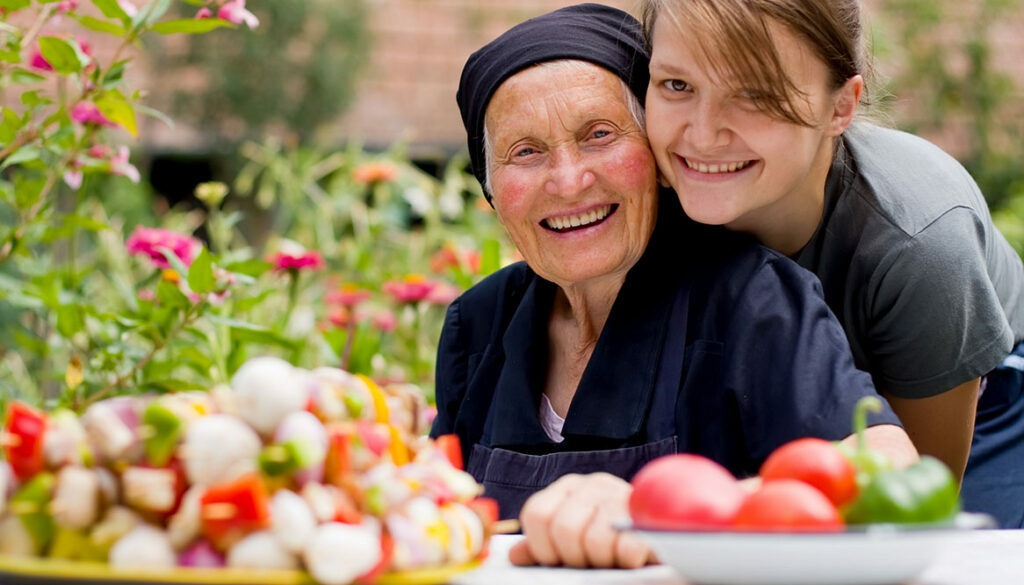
984,557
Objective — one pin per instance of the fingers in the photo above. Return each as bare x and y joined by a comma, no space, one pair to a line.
570,523
537,517
520,554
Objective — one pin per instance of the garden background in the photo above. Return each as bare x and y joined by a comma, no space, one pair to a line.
188,183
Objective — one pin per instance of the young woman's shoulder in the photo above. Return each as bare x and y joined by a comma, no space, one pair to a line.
908,180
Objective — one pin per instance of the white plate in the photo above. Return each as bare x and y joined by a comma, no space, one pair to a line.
874,554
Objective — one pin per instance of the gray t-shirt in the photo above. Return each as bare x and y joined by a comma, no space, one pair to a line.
929,292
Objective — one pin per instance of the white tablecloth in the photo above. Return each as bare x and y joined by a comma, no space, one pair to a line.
985,557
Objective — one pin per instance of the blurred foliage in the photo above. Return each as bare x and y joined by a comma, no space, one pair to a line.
939,56
290,77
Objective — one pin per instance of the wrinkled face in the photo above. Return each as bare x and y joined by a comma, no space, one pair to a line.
730,163
572,176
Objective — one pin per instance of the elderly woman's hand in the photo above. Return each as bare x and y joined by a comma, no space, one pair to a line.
570,523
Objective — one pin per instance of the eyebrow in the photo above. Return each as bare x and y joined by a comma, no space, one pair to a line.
667,67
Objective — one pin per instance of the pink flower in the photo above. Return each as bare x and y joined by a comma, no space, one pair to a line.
73,179
385,321
148,241
339,317
443,294
450,257
38,62
129,8
286,261
147,295
234,11
348,295
412,288
88,113
119,165
66,6
204,13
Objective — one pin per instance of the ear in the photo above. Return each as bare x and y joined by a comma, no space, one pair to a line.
845,101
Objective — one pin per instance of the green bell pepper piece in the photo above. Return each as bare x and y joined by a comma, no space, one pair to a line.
164,430
30,503
924,492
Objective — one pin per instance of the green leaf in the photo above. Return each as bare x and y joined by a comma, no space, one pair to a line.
70,320
30,343
171,385
490,258
25,76
247,332
64,56
174,261
32,99
150,13
115,74
10,56
22,155
252,267
111,9
104,26
147,111
10,126
170,295
116,108
190,26
200,274
12,5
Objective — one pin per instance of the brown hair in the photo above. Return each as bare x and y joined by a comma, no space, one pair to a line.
739,29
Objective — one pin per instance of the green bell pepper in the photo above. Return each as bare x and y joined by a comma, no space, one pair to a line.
867,461
31,505
924,492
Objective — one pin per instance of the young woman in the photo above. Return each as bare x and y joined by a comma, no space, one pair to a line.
750,114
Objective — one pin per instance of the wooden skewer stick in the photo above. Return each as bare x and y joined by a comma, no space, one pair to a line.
505,526
9,440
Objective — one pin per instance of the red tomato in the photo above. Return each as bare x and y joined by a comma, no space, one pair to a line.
23,440
450,446
684,491
816,462
788,505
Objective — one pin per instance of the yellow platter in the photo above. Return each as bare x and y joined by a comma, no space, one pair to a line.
19,571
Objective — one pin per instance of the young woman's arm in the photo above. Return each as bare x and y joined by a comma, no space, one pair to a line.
941,425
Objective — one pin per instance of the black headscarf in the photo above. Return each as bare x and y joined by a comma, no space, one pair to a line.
599,34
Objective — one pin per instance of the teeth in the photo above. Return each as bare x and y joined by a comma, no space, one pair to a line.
717,168
582,219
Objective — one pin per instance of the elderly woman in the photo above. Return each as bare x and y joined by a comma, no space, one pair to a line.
628,333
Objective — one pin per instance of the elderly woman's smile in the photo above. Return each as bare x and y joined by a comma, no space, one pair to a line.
571,172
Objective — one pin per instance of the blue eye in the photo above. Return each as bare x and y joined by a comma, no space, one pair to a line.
600,133
525,151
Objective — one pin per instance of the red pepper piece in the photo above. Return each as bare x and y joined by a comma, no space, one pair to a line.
339,453
231,510
387,550
345,509
486,509
452,449
23,440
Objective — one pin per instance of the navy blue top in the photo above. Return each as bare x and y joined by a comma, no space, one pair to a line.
765,361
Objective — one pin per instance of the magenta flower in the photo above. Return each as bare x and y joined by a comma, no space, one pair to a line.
412,288
203,13
235,12
37,61
88,113
148,241
285,261
66,6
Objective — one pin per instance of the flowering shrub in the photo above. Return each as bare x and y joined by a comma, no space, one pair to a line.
94,303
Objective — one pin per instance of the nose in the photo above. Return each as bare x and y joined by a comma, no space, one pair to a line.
570,174
706,129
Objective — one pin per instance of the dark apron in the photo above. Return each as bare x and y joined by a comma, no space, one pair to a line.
994,479
511,477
